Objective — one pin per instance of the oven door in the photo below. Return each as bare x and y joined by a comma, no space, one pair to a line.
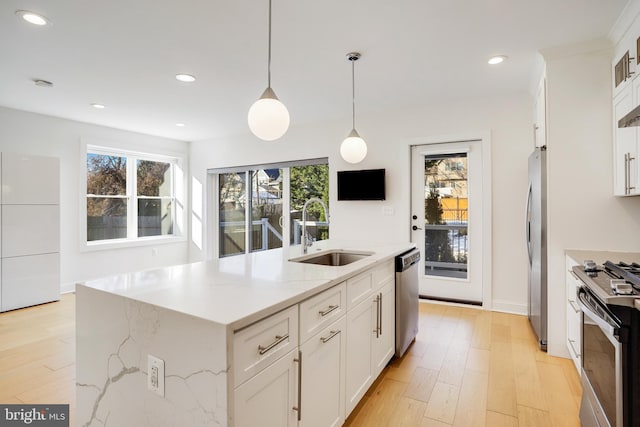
601,364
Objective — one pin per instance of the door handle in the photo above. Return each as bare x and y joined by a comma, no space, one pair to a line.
415,227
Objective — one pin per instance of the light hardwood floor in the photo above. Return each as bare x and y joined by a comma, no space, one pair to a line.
467,367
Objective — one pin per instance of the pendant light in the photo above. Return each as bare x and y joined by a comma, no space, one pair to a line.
268,117
353,149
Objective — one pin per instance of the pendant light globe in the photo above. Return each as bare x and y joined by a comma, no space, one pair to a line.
268,117
353,149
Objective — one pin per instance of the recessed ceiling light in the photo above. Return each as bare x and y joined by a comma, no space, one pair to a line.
496,59
187,78
33,18
98,106
180,125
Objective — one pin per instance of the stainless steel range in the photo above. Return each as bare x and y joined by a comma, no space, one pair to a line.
610,344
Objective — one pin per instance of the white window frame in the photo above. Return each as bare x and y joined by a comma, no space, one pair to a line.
132,239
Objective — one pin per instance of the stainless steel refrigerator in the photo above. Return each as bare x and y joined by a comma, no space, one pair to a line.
536,235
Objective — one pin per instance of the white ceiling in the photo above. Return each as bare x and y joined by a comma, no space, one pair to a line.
125,54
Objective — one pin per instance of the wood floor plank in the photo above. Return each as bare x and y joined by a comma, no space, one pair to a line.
496,419
478,360
471,409
529,390
443,402
501,392
532,417
563,408
422,384
408,413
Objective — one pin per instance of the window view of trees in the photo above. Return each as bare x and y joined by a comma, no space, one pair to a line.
109,201
307,182
446,215
106,197
265,189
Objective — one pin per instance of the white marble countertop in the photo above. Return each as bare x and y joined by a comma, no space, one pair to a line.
239,290
599,257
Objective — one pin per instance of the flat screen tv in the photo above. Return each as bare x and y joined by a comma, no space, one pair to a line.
361,185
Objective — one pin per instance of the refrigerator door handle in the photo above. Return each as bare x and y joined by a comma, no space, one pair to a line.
528,224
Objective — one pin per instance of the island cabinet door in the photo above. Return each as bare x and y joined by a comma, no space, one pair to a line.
360,335
269,398
323,377
384,344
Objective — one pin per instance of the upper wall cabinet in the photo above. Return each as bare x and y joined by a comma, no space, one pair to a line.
27,180
625,144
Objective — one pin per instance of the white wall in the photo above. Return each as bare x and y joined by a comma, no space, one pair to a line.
389,136
29,133
582,211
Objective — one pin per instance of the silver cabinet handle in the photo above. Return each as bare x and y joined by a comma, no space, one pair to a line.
279,339
629,171
571,342
573,305
328,310
380,316
299,407
377,329
331,335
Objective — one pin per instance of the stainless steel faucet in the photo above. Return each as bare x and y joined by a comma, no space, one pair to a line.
306,241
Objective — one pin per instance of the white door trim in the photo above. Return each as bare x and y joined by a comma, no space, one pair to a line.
485,138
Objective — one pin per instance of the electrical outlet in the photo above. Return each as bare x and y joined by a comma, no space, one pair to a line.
155,375
388,211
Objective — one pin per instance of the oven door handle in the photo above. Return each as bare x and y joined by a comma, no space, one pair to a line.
610,329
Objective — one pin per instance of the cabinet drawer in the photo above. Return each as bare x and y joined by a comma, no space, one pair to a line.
383,274
359,288
257,346
322,309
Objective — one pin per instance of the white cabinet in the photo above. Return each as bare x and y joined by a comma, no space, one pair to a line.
323,377
574,315
30,230
30,180
625,151
311,363
384,344
269,397
29,280
370,333
360,335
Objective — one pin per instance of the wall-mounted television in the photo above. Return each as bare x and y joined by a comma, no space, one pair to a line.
361,185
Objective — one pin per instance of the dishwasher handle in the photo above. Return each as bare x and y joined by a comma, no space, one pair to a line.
407,259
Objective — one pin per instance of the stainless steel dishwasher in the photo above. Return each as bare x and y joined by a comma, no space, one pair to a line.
407,299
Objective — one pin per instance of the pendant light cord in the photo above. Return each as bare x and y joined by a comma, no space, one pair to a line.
353,92
269,57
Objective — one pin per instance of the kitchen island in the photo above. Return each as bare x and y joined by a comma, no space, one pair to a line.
211,325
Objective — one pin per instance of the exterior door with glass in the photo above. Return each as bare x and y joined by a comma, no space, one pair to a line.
446,209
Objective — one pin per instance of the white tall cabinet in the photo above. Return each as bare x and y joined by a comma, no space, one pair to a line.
29,230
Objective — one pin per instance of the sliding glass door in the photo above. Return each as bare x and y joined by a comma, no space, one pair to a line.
258,207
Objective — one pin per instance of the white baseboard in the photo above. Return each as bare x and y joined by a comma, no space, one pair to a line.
66,288
509,307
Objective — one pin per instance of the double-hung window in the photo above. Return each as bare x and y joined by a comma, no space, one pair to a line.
129,196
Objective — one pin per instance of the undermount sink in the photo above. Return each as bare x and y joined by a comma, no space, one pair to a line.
333,258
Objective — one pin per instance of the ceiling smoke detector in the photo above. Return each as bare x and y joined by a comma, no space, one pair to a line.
42,83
